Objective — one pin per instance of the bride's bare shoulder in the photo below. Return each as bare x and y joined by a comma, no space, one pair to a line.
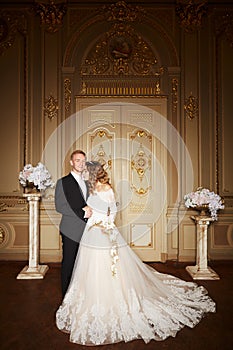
103,187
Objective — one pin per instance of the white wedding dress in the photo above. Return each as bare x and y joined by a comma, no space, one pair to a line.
113,296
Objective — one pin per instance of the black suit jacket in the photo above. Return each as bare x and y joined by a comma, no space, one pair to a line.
69,201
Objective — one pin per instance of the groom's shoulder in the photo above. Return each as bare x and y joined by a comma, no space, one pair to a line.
66,178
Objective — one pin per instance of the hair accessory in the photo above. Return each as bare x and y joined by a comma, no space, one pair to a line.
93,163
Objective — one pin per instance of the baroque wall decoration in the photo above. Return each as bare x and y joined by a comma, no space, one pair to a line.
140,162
121,52
224,26
191,14
10,24
121,12
101,145
191,107
51,15
2,236
67,95
174,94
3,207
51,107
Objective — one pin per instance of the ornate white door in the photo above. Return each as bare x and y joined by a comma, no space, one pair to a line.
124,138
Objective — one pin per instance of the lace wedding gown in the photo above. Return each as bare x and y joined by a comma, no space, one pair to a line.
113,296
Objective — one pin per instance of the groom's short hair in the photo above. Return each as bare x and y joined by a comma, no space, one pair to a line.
77,151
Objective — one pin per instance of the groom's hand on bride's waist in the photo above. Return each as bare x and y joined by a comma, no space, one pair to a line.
88,212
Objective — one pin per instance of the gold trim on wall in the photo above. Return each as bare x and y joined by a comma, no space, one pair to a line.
140,162
11,23
51,107
67,96
174,95
121,62
127,87
191,14
151,242
51,15
2,236
101,141
191,107
121,12
224,26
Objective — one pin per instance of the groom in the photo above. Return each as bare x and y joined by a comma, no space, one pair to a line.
70,200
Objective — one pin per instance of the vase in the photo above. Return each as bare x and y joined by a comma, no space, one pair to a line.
203,209
31,188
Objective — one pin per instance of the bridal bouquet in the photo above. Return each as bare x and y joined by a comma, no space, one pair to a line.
106,224
204,197
37,176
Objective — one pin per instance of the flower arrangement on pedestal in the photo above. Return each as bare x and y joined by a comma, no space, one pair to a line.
37,177
204,198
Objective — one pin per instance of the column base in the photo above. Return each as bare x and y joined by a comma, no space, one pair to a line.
202,274
28,273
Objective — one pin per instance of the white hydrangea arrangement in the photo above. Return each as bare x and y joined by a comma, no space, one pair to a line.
203,196
39,176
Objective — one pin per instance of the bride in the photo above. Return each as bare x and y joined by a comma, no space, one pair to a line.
113,296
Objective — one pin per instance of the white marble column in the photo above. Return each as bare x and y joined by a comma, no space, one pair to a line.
201,271
33,270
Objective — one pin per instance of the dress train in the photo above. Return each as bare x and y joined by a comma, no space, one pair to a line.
113,296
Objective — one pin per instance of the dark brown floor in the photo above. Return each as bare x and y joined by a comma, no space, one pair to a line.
28,308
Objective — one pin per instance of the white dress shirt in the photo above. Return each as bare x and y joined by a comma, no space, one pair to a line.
81,183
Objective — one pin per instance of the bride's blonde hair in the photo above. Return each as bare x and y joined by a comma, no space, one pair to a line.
96,173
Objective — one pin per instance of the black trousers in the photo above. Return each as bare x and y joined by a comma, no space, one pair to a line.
69,249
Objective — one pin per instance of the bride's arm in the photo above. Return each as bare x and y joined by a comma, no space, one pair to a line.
112,208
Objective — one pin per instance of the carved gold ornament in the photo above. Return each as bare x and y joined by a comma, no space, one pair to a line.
121,12
51,107
141,191
51,15
121,52
224,26
102,158
191,14
101,133
3,207
67,94
174,95
102,142
2,235
140,163
191,107
10,24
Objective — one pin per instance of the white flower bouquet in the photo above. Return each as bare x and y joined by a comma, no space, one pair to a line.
105,223
38,176
204,197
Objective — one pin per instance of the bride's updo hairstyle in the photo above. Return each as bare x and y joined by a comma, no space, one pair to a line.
96,173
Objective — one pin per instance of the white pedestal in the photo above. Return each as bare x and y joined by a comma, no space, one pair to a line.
33,270
202,271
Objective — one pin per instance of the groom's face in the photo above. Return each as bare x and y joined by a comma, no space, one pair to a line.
78,163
